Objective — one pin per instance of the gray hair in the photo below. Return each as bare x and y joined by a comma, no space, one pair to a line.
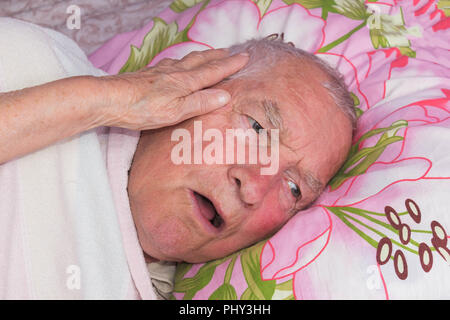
267,51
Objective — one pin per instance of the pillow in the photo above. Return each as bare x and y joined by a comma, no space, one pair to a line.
379,229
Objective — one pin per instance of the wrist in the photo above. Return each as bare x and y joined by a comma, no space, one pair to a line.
113,95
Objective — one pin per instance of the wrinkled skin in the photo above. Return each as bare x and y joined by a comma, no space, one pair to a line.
315,139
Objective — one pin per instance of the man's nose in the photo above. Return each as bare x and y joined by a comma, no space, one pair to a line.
250,184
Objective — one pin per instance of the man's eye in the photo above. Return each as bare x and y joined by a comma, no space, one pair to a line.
254,124
295,190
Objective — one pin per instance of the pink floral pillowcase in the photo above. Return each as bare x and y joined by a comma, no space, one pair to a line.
379,231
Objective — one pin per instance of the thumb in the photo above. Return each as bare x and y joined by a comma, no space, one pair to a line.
204,101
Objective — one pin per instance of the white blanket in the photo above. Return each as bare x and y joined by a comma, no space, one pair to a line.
66,230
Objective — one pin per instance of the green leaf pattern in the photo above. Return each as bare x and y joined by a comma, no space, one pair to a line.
159,38
258,289
360,159
262,290
181,5
263,5
444,5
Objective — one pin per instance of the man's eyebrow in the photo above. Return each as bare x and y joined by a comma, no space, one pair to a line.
272,113
313,183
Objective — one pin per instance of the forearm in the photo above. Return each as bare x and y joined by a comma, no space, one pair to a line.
36,117
155,97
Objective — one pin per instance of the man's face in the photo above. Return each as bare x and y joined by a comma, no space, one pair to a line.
168,200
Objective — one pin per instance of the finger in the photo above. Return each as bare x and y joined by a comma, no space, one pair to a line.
197,58
203,101
215,71
166,62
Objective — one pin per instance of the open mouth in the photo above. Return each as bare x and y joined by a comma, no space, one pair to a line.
208,210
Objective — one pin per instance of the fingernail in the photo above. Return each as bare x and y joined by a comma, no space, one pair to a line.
223,97
245,54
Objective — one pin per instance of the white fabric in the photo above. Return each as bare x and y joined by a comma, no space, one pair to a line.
162,275
62,234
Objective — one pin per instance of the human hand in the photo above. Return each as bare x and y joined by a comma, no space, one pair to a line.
170,92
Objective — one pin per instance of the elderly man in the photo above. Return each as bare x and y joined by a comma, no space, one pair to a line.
196,212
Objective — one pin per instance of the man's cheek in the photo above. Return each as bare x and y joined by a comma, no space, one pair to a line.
268,221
